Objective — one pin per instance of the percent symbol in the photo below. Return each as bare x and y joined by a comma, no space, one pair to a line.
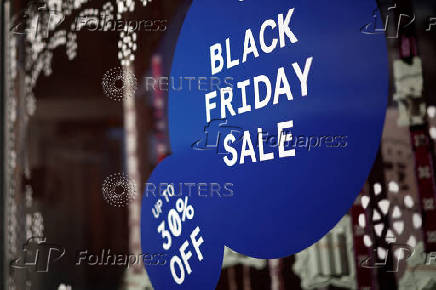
174,221
183,208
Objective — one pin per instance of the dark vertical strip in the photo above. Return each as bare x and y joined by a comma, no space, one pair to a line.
291,281
2,142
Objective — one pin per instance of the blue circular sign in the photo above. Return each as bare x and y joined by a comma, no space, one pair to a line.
275,139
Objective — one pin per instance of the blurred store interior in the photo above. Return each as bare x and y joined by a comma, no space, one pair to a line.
62,137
